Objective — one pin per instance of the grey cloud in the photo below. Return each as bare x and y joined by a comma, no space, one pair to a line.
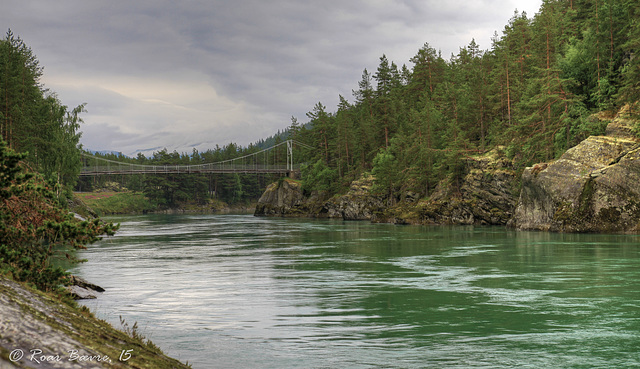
263,60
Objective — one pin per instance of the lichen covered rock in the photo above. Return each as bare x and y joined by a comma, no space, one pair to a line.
593,187
285,198
280,197
40,331
485,195
359,203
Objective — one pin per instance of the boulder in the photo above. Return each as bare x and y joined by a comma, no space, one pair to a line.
80,289
81,293
285,198
81,282
279,198
593,187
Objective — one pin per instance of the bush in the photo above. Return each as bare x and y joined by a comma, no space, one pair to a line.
35,228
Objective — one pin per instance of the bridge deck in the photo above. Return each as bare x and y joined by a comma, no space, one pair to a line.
258,162
170,170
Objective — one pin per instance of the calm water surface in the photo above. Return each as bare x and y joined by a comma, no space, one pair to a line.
235,291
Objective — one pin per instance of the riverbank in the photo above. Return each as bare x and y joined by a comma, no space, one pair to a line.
592,187
486,195
39,330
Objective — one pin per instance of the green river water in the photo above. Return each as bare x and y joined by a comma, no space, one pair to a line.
236,291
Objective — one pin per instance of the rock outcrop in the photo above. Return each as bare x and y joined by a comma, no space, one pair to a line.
593,187
39,331
485,195
81,289
285,198
279,198
359,203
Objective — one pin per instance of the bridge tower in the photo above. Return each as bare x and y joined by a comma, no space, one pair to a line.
292,173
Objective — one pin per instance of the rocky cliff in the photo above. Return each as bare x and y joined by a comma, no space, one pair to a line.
285,198
484,197
593,187
359,203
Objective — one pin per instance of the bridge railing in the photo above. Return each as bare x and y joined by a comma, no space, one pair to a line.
252,163
186,169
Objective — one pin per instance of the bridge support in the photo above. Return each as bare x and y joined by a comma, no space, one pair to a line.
290,156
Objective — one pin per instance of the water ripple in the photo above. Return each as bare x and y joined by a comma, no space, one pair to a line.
244,292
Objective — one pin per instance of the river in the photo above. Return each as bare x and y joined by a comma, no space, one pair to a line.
236,291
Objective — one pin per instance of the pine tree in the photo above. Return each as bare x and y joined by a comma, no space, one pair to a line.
322,124
427,72
510,55
385,83
630,90
364,118
19,90
345,135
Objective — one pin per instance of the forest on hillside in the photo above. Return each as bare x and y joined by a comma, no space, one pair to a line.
532,95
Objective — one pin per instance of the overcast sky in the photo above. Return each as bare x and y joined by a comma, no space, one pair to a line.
195,73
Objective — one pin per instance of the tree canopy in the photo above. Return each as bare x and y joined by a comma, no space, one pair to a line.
533,93
32,119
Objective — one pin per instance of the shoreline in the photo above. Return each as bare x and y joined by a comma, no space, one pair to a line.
42,330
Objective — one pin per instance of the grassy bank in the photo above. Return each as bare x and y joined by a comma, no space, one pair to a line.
105,203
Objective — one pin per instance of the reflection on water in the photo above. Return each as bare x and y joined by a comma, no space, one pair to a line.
230,291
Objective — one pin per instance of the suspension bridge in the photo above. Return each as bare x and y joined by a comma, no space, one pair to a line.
269,160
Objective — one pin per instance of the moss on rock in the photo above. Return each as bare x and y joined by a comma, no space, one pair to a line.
593,187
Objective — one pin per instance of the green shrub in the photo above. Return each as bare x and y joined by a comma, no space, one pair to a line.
35,229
